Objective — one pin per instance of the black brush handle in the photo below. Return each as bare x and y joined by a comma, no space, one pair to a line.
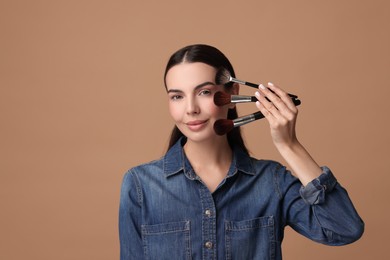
253,85
296,101
250,84
258,115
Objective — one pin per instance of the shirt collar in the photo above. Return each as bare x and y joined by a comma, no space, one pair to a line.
176,162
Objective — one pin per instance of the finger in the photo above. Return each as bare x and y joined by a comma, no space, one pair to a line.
283,102
266,107
273,116
273,102
267,114
284,96
273,97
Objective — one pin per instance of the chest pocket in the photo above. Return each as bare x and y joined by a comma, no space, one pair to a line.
167,241
250,239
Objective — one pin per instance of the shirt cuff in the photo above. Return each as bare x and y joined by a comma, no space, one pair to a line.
314,192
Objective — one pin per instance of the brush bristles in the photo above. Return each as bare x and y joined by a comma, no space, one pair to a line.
221,98
223,126
222,77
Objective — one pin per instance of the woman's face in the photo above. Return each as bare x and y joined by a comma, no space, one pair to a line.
191,88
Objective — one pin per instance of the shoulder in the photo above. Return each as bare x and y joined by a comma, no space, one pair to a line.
136,172
264,166
146,167
274,172
264,163
251,165
134,179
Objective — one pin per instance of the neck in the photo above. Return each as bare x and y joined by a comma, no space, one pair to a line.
211,152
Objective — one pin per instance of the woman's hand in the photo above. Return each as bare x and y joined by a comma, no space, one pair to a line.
281,113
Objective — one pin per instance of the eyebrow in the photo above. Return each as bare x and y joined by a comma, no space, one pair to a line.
196,88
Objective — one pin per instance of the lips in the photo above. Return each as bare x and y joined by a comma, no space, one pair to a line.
196,125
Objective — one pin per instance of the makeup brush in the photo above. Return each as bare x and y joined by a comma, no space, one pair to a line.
223,77
222,98
223,126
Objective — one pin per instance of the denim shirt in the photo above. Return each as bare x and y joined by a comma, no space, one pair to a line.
166,212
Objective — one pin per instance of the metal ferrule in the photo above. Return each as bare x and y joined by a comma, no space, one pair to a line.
240,99
243,120
237,81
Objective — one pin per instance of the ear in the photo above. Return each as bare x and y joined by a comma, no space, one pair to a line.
234,91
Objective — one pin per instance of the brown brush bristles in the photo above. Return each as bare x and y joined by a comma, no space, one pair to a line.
221,98
223,126
222,77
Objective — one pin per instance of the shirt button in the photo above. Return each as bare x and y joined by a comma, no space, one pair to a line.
207,212
208,245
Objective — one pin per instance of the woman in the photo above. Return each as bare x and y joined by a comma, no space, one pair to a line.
207,198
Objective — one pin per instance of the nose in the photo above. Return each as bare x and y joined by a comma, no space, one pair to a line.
192,106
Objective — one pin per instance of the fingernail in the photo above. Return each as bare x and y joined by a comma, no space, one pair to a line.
257,103
270,84
261,86
257,94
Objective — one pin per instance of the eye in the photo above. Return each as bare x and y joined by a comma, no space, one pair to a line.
205,92
175,97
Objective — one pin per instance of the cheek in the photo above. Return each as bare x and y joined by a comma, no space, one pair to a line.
220,112
174,111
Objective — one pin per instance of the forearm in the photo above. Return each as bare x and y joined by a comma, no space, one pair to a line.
300,161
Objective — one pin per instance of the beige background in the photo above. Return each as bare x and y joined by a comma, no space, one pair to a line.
82,100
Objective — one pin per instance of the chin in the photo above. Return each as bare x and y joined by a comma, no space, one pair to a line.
201,136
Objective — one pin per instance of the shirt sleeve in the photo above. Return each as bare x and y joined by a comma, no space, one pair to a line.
314,191
130,218
321,211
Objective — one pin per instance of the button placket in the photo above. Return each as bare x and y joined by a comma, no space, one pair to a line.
208,223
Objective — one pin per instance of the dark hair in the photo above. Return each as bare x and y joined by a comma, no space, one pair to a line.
211,56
